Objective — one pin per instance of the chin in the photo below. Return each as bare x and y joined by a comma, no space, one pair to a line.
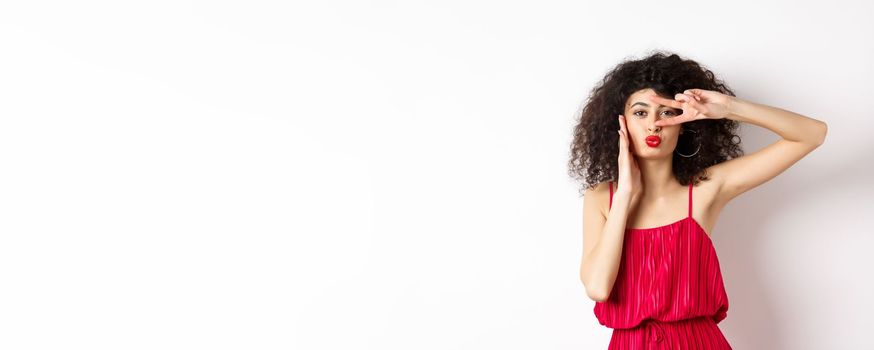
655,153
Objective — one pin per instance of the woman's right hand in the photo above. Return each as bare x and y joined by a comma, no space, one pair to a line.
629,173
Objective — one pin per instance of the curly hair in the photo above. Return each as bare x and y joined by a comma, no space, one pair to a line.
595,148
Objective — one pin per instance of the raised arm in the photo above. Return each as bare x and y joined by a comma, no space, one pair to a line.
800,136
603,234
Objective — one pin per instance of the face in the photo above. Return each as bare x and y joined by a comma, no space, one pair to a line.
647,139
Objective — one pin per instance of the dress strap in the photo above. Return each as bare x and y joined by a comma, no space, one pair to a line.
611,194
690,198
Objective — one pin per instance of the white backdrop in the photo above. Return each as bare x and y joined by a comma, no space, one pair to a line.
392,174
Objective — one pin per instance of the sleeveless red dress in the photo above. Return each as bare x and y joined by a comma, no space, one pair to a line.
668,292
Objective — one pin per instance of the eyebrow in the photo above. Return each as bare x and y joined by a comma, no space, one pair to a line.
646,105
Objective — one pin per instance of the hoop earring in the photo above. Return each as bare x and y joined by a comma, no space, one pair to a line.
696,150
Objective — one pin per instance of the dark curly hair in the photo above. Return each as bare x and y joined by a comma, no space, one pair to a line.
595,148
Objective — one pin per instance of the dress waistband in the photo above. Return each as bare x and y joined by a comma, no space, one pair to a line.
655,331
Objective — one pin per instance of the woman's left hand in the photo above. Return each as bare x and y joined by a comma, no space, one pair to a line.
696,104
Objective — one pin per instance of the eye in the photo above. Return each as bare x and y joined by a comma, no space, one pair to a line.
642,113
671,112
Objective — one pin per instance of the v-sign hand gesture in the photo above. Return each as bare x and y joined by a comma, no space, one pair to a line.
696,104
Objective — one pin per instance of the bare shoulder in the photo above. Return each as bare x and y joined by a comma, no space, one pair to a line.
599,196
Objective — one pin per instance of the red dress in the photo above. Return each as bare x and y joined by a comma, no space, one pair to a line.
668,292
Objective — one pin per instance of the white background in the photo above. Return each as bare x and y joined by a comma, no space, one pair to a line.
392,174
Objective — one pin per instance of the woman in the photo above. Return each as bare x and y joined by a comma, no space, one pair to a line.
656,145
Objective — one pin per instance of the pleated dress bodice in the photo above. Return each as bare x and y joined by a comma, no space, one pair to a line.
666,273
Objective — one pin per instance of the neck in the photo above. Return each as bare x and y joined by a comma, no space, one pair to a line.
657,176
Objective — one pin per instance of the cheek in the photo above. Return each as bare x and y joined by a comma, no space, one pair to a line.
635,130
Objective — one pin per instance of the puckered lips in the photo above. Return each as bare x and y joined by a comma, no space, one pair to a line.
653,140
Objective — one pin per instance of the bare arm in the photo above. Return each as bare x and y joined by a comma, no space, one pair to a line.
602,241
800,136
603,234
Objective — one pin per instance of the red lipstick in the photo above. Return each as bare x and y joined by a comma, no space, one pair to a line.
653,140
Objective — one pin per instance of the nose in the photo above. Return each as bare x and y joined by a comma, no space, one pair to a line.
650,123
